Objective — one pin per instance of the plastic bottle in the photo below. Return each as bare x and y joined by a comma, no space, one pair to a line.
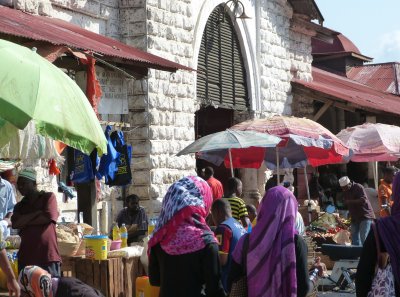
151,226
116,234
124,236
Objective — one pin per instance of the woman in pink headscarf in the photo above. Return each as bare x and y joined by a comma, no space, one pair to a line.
183,250
276,263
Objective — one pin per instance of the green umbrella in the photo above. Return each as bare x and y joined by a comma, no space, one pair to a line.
32,88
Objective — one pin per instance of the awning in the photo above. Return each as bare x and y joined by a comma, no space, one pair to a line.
345,93
57,32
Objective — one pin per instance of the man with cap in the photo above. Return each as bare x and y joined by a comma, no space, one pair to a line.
35,216
360,209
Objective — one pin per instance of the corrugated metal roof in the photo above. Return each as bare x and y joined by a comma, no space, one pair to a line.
58,32
384,77
345,89
340,45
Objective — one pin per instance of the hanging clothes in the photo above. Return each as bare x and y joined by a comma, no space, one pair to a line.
84,167
123,176
108,162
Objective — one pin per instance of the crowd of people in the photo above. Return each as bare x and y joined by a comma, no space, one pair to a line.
207,240
263,245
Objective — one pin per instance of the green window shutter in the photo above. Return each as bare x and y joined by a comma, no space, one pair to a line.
221,76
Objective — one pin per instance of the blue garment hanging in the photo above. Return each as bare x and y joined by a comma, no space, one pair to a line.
108,162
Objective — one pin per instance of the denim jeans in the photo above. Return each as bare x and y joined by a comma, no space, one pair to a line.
359,231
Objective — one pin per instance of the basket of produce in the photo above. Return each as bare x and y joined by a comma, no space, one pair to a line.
81,228
68,242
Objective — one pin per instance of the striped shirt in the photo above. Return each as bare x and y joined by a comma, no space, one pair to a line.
238,207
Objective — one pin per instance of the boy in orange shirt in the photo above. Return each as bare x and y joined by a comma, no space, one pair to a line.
385,191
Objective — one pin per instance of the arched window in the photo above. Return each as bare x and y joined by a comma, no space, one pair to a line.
221,76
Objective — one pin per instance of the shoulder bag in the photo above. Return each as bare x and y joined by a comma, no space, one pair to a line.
383,282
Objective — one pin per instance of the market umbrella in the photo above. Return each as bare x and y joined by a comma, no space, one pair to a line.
31,88
232,145
372,142
304,142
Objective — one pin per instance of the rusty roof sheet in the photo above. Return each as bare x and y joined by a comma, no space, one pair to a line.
345,89
384,77
58,32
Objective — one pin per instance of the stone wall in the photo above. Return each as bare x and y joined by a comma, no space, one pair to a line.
162,106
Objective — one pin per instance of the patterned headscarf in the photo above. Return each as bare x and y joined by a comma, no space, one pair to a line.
35,282
389,230
271,256
181,226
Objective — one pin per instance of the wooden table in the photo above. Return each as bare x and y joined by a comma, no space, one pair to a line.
114,277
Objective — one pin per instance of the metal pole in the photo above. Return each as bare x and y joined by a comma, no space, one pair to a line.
308,195
375,168
230,160
277,167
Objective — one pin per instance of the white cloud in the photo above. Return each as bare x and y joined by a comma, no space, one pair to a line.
388,49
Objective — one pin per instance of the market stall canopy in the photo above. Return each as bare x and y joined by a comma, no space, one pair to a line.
372,142
305,142
339,91
244,147
32,88
57,32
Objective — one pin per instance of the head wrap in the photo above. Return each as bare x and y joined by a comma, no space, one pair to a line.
271,255
35,282
389,230
28,173
181,226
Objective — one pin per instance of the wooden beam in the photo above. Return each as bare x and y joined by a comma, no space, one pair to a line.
322,110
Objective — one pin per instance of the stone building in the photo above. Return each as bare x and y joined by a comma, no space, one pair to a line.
244,70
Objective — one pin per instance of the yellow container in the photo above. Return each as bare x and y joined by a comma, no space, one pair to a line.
96,247
144,289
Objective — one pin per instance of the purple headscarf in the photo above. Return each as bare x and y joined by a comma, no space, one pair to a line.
389,230
271,257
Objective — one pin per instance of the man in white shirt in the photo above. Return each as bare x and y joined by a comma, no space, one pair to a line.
7,203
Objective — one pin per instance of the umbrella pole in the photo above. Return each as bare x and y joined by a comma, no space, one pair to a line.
308,195
375,169
277,167
230,161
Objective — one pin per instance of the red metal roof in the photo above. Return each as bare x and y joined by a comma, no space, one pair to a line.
58,32
384,77
345,89
340,44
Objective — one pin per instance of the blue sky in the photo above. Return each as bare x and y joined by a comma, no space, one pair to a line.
372,25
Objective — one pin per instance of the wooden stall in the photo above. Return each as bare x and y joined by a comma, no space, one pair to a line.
114,277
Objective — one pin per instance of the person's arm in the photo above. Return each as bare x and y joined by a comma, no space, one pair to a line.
154,268
243,214
360,194
49,214
303,281
12,283
383,197
212,272
366,266
20,221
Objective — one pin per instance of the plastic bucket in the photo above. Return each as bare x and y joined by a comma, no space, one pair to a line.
144,289
96,247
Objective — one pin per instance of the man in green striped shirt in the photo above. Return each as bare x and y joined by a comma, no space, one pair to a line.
233,193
